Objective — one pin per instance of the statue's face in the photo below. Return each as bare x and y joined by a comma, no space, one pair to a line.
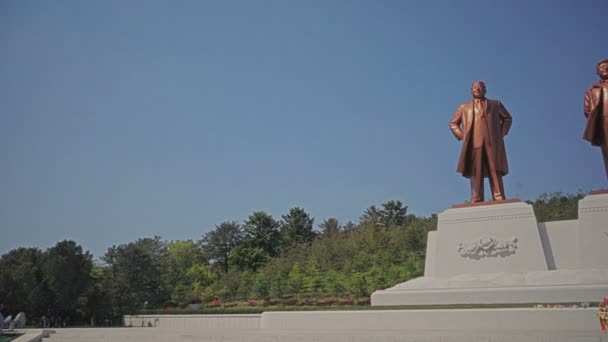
602,71
478,90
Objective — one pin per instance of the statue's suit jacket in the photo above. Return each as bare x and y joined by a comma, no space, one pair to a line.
499,123
594,132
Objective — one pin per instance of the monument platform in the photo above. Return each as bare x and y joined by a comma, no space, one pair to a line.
456,325
489,254
480,254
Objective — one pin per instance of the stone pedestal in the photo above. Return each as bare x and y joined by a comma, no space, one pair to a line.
500,254
593,231
487,239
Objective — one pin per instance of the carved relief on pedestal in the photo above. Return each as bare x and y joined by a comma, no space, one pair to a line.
487,246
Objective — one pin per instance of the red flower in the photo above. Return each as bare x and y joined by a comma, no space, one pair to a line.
603,314
347,301
328,301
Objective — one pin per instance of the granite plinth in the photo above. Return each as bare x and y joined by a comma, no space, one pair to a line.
593,231
487,239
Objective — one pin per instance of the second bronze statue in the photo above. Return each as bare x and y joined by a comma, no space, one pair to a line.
596,112
481,124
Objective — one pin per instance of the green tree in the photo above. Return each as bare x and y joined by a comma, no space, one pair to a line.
97,305
393,213
333,251
219,242
296,281
247,258
179,259
349,227
261,286
276,272
334,284
229,285
66,270
262,231
313,280
246,278
296,228
201,277
377,279
556,206
357,285
135,274
414,238
371,216
330,227
21,282
278,284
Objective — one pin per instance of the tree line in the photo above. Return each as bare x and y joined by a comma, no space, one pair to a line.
260,258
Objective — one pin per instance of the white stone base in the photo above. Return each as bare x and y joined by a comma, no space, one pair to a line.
311,334
231,322
593,231
456,325
486,239
537,294
461,320
499,254
559,286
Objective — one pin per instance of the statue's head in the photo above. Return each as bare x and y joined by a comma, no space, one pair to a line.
478,90
602,69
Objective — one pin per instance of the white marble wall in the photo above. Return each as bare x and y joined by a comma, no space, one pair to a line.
194,321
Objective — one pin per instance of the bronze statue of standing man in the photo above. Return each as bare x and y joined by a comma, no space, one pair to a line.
482,124
596,112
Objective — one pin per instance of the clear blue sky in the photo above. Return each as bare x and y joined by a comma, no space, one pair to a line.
127,119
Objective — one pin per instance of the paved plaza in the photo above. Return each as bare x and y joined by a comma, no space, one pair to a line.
254,335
